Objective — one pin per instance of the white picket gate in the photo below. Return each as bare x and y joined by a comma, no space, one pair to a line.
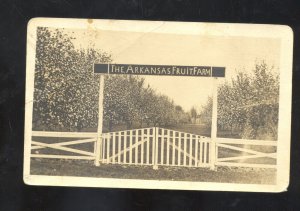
129,147
152,146
155,146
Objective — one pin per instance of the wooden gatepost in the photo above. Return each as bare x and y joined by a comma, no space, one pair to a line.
98,145
214,126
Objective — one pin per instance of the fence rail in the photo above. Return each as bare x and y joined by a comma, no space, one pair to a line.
155,147
65,146
252,153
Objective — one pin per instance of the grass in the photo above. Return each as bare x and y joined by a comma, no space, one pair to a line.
87,169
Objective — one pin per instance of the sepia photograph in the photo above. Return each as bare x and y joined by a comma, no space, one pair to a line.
158,105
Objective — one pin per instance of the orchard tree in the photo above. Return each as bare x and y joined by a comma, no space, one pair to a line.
65,87
248,104
66,91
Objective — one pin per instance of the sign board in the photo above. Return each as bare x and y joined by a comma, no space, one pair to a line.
162,70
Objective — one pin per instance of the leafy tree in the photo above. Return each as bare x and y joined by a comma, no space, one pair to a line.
65,87
249,104
66,90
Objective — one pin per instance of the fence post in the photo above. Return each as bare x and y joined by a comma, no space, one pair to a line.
214,124
100,122
155,164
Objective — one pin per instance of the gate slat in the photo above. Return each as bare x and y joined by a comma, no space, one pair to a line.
179,146
95,147
107,150
196,151
201,152
217,153
125,146
130,151
168,147
103,148
162,139
148,150
153,145
119,147
142,147
156,146
184,148
205,152
173,147
114,149
137,147
191,152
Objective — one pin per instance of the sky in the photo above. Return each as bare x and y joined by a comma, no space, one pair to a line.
234,53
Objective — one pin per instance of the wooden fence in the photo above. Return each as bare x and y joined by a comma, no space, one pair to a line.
154,147
246,153
50,144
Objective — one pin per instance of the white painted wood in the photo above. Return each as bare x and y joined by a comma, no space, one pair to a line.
182,132
114,147
246,142
247,150
62,157
246,157
153,146
129,130
173,148
100,121
217,153
246,165
64,134
205,152
119,147
162,143
179,145
168,147
201,152
190,149
197,155
142,147
185,149
107,149
212,150
103,148
68,143
125,146
148,146
196,151
182,151
136,147
155,166
55,146
130,144
95,149
124,151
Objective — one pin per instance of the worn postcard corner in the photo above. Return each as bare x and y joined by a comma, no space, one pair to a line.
158,105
